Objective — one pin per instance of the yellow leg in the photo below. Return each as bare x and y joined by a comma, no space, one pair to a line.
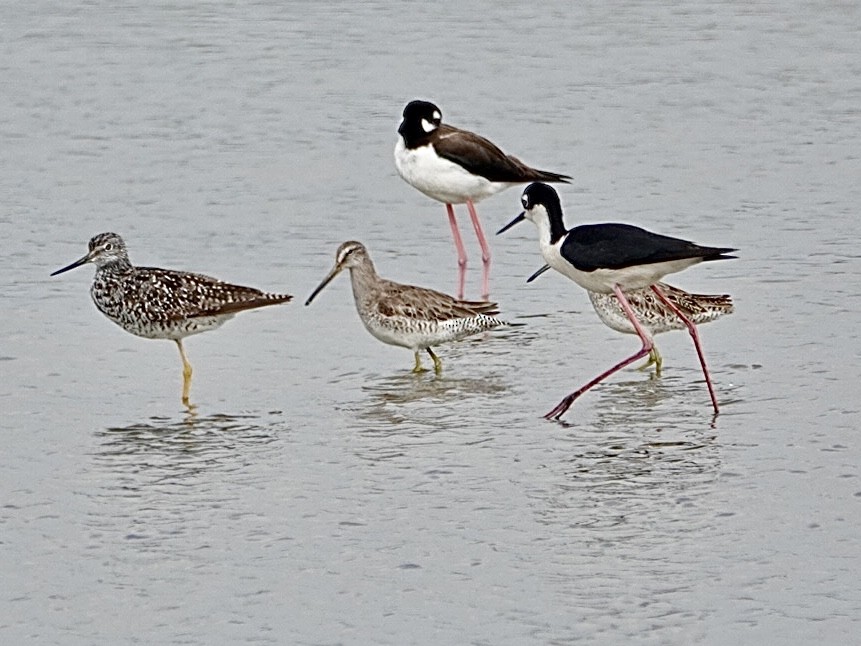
657,360
186,373
437,364
418,368
654,359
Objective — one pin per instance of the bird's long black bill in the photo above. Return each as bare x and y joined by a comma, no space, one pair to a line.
537,273
77,263
328,279
519,218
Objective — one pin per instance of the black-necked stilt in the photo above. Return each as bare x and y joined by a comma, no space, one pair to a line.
613,259
163,303
456,166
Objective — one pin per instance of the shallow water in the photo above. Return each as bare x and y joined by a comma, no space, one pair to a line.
323,494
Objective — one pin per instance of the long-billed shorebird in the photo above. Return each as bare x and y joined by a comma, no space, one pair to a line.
455,166
654,316
163,303
405,315
613,259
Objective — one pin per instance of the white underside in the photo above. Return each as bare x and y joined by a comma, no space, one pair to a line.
172,331
404,339
441,179
414,335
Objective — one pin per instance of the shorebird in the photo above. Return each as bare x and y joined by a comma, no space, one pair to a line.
455,166
163,303
654,316
613,259
405,315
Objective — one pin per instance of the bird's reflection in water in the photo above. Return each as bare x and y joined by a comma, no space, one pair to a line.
174,449
426,399
474,373
405,410
641,400
646,445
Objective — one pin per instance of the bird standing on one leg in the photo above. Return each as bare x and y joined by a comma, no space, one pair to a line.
163,303
613,259
456,166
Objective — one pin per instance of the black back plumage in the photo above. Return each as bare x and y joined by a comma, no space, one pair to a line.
615,246
612,246
482,157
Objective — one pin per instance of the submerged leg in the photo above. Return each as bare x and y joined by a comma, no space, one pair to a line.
654,359
485,250
692,329
461,251
437,364
648,344
418,367
186,373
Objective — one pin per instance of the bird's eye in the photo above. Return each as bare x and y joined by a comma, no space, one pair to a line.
525,201
109,246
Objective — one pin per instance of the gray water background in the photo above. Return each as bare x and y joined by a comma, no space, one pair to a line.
323,494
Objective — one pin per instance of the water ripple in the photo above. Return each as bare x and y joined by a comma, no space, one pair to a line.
170,451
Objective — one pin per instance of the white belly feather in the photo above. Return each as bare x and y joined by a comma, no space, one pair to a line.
441,179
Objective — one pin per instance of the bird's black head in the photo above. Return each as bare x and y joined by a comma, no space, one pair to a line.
541,194
421,118
541,205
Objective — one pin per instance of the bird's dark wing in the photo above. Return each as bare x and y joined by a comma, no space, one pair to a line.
181,295
482,157
420,303
615,246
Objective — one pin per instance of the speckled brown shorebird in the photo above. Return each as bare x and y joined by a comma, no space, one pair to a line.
654,316
163,303
405,315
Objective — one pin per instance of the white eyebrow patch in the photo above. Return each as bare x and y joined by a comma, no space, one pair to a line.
343,255
427,126
437,116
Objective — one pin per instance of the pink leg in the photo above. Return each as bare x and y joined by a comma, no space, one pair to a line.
696,337
645,337
485,250
461,252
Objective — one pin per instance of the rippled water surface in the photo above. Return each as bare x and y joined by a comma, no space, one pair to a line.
323,494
